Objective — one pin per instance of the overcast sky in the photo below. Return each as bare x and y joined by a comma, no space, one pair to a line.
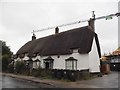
19,18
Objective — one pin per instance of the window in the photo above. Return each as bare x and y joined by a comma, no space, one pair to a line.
39,64
36,63
48,63
71,63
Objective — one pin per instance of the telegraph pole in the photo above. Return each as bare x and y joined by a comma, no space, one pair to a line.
93,14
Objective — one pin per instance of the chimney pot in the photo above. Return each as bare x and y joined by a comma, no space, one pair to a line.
33,37
56,30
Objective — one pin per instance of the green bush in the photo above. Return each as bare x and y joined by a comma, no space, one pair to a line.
11,68
20,67
36,72
41,73
5,62
5,56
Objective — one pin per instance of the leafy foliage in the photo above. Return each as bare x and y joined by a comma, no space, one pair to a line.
20,66
5,55
11,68
5,49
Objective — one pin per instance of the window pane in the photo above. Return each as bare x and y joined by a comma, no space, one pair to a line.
71,65
68,64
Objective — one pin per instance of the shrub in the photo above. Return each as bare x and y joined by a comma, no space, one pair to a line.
11,68
20,67
36,72
42,73
5,62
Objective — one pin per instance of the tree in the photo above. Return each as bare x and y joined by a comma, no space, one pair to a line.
5,55
5,49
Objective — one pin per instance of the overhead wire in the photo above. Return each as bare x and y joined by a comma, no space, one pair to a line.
79,21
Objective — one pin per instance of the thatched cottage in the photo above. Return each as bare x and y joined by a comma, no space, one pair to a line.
75,49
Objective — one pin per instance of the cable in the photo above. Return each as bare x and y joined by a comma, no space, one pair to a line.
67,24
77,22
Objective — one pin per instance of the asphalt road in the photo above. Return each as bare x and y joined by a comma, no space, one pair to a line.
107,81
111,80
9,82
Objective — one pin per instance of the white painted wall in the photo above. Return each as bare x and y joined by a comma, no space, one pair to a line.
26,58
94,61
82,61
35,58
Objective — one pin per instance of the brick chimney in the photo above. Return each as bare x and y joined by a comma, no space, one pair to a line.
33,37
56,30
91,25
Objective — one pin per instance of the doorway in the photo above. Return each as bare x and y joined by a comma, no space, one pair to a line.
47,65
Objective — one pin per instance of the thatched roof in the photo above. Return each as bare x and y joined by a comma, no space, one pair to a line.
61,43
49,59
71,59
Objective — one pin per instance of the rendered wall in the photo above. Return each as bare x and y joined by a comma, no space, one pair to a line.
82,61
94,61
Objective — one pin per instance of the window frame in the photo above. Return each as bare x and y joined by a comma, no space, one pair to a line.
50,61
73,64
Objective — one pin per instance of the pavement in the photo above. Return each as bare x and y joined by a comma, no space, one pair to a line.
93,83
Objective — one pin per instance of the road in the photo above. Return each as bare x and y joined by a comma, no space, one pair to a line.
107,81
9,82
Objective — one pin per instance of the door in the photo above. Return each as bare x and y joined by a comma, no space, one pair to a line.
47,65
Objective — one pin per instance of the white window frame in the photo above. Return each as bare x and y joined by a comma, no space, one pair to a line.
71,64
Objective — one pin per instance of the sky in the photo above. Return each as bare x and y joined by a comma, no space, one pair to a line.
19,18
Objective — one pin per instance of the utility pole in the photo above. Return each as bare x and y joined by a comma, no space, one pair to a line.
93,22
93,14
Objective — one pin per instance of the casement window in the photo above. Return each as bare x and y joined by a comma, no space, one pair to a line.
71,63
48,63
36,63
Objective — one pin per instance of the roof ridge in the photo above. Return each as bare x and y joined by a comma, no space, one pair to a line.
65,32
